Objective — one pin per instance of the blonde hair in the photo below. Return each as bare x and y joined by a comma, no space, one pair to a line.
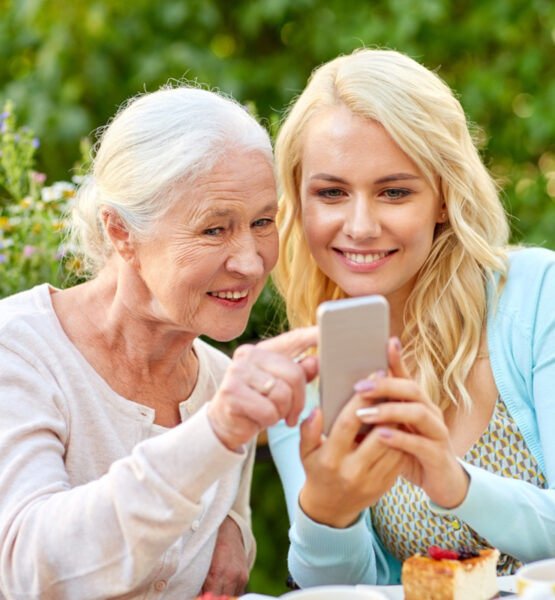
445,312
156,140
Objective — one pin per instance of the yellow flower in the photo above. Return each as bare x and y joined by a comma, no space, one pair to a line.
59,225
6,225
36,228
74,265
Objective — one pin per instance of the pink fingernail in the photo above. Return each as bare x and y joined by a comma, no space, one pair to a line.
311,416
364,385
398,344
384,432
367,412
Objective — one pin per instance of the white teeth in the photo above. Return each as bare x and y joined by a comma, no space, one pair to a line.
230,295
364,258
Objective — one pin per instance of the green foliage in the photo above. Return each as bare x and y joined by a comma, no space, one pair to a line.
68,65
270,526
16,155
31,216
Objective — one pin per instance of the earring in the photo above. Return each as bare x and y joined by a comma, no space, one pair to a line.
443,216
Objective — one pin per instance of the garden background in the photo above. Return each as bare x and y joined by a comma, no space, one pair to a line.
67,65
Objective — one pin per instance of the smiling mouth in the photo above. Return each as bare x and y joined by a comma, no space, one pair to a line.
363,259
229,295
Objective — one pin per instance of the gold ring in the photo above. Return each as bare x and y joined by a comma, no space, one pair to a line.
267,387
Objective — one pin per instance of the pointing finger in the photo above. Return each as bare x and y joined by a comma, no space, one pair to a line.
292,343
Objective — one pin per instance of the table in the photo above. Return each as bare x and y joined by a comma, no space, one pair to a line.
395,592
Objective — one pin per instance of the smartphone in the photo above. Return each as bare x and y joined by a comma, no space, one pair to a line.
352,344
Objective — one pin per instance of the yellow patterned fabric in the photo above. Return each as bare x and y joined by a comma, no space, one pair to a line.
406,525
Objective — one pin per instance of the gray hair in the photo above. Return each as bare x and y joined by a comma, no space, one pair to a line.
154,141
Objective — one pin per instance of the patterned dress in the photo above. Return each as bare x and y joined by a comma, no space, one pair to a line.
405,523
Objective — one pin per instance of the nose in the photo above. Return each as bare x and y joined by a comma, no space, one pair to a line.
361,219
245,259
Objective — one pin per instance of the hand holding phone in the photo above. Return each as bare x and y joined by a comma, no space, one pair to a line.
352,344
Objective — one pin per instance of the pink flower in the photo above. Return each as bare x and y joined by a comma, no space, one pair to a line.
39,177
28,251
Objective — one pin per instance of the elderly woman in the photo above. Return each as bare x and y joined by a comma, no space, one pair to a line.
126,443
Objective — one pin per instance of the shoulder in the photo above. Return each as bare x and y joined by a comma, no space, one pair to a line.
522,320
530,281
24,317
530,263
19,305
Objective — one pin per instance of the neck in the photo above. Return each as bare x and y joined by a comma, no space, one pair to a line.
108,319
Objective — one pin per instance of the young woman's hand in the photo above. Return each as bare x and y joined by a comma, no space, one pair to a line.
419,433
344,473
263,384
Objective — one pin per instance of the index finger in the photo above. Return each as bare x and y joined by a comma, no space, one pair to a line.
292,343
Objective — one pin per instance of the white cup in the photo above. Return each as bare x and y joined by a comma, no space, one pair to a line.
536,578
335,592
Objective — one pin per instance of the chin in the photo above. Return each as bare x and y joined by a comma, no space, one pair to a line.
225,336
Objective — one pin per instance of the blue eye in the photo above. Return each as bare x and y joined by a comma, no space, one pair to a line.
212,231
331,193
262,222
395,193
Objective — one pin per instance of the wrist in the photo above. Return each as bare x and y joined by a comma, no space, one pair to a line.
220,431
316,510
458,489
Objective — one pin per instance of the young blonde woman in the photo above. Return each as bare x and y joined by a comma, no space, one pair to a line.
384,192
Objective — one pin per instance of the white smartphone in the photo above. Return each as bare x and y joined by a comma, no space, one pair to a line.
352,344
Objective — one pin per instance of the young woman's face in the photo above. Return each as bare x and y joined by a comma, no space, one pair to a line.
368,212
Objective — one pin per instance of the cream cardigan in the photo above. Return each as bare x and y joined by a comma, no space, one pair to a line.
95,500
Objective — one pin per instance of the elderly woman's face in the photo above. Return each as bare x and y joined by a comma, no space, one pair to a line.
214,249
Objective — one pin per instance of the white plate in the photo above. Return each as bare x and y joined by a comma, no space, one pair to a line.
336,592
381,592
395,592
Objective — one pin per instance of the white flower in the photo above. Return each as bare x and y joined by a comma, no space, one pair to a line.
60,190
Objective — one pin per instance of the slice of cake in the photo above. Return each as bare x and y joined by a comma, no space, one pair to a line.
451,575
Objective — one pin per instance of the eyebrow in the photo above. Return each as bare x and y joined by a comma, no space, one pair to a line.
386,179
226,212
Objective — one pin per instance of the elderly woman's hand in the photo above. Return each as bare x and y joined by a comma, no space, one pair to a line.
262,385
229,569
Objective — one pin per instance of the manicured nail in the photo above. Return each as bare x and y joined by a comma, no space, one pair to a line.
379,374
367,411
398,345
364,385
311,416
385,432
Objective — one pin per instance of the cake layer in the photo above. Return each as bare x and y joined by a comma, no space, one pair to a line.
475,578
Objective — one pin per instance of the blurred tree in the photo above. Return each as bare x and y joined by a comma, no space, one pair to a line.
67,66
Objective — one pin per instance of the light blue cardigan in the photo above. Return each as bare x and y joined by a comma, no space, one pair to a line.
513,515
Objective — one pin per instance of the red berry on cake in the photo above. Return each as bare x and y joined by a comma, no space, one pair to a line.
439,553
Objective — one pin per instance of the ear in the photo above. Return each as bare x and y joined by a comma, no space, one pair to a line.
118,233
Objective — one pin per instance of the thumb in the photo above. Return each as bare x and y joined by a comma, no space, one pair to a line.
311,432
309,365
396,362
